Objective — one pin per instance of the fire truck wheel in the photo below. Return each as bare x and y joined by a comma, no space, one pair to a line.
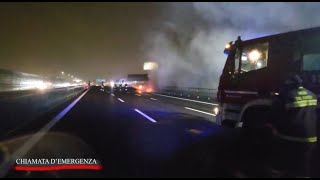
228,123
255,118
255,123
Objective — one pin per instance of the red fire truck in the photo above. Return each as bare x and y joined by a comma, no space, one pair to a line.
255,69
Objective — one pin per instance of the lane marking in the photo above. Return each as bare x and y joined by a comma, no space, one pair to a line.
120,100
137,94
186,99
200,111
128,92
146,116
26,147
153,99
112,94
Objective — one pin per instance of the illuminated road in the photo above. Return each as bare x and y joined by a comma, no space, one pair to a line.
135,134
144,135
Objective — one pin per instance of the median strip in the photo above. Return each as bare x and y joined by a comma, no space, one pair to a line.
120,100
186,99
200,111
146,116
26,147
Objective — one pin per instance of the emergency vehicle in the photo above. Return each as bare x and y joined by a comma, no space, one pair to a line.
256,68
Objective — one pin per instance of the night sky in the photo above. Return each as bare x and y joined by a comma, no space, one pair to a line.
88,40
111,40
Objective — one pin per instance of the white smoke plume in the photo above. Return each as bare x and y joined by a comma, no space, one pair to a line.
188,44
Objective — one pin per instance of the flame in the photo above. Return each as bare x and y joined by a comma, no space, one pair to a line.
143,88
149,90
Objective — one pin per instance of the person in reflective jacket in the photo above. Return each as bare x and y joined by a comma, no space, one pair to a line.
295,124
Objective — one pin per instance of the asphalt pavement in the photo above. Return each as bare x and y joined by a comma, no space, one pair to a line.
135,134
142,135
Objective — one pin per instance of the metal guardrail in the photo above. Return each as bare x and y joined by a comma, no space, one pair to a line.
36,92
204,94
19,81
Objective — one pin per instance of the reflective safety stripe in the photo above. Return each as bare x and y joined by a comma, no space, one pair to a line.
298,139
308,97
302,92
312,102
298,98
303,103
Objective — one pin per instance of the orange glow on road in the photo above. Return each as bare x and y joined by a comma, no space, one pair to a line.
149,90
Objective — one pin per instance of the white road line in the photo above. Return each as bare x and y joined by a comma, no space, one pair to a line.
26,147
200,111
146,116
185,99
112,94
120,100
153,99
128,92
137,94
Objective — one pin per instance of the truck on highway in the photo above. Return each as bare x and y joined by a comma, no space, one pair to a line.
140,82
256,68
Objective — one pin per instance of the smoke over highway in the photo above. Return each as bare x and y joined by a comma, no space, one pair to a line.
189,40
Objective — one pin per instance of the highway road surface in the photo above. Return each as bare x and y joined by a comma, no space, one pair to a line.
135,135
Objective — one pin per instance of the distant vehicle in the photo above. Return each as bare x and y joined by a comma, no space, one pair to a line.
255,69
85,86
140,82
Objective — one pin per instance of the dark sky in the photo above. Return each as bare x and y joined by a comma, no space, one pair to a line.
88,40
111,40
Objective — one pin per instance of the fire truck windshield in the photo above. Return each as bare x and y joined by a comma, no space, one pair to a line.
253,57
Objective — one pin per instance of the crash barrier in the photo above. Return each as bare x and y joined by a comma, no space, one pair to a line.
19,108
17,81
32,93
203,94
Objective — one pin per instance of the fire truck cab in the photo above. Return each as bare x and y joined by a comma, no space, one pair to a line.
256,68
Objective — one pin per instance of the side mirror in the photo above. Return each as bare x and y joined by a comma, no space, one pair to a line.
228,48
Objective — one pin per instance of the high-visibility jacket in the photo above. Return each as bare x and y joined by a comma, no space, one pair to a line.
297,118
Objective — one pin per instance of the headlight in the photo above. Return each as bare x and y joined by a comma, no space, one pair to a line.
216,110
254,56
112,84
